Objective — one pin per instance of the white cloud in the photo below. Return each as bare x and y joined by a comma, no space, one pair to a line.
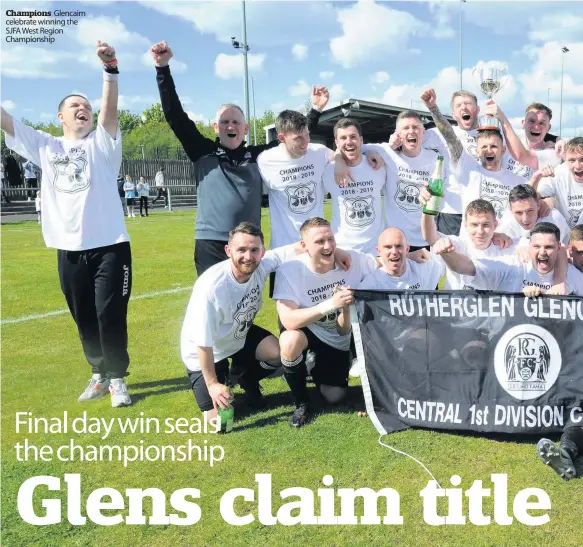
300,52
566,26
380,77
36,62
197,117
326,75
301,88
338,95
48,116
231,66
277,107
387,30
8,104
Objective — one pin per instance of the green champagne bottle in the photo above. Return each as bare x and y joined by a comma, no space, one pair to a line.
435,203
227,418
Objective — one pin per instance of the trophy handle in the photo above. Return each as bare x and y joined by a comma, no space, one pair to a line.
504,77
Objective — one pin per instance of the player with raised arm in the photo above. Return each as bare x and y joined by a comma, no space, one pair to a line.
229,185
83,219
486,179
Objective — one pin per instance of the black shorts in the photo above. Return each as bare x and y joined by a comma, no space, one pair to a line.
331,365
207,253
239,362
449,224
130,201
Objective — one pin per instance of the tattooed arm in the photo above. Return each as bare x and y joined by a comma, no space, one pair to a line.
454,145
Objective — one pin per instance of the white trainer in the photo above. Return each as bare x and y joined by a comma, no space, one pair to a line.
96,389
119,393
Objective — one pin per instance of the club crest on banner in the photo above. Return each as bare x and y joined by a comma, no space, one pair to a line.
527,361
301,198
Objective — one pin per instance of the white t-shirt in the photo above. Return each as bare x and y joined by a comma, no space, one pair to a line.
406,177
295,281
463,245
295,189
511,227
80,203
159,179
417,276
479,183
37,204
567,192
515,276
357,210
546,156
221,310
434,139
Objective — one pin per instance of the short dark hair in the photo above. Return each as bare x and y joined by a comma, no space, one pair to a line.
246,228
408,114
484,133
342,123
576,233
546,228
520,192
480,207
312,223
540,107
62,103
290,121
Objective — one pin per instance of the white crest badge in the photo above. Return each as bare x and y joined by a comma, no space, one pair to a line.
527,361
359,211
407,196
301,198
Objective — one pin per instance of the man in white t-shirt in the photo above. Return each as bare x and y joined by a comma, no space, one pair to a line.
465,110
312,302
399,273
523,214
161,191
31,178
528,156
357,209
486,179
219,322
476,241
566,185
535,277
409,169
82,217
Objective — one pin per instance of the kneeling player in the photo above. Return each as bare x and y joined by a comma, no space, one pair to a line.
312,301
219,322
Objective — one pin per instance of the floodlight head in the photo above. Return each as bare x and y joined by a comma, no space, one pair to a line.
564,49
345,112
355,105
234,42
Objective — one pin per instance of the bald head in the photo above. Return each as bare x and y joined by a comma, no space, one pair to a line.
393,249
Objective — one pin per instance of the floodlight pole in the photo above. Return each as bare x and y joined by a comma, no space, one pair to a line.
564,50
245,50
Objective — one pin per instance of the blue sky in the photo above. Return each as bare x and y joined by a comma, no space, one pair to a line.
381,51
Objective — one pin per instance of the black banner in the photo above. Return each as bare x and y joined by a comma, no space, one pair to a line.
490,362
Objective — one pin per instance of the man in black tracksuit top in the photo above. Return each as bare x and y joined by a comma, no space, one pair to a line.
229,184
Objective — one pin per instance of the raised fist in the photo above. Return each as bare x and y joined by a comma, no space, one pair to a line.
429,98
395,141
161,53
320,97
105,52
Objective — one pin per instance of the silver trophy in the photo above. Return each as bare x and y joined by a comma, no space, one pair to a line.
490,81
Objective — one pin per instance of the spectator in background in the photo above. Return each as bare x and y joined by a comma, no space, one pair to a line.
160,189
37,206
129,187
13,172
122,194
4,196
31,178
144,194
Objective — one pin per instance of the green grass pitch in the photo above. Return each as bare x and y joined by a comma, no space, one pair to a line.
44,371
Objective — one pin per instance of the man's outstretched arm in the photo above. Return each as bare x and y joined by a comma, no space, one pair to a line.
193,142
6,123
109,97
454,145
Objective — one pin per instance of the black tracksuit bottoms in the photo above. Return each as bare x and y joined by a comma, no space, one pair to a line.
97,284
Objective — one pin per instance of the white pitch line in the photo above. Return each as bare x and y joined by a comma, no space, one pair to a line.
26,318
